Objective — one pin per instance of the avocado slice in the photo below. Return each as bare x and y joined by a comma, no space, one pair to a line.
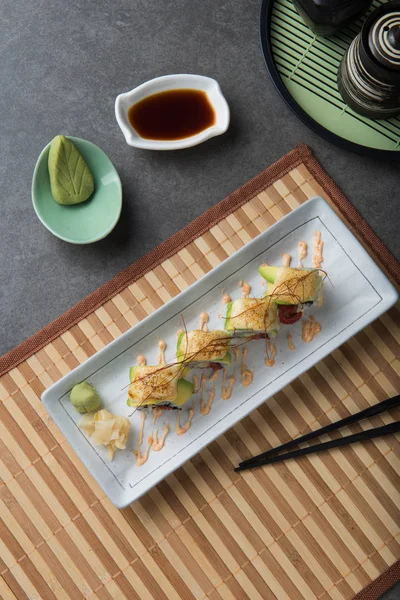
227,359
268,272
228,326
179,354
132,374
185,392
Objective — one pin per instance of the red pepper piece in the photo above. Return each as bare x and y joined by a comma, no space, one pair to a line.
289,314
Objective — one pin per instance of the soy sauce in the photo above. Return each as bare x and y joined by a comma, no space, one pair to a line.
172,115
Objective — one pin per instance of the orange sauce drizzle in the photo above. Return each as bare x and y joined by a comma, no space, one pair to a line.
203,320
246,374
141,458
214,376
317,250
158,444
181,429
196,384
226,390
141,360
302,247
310,328
291,346
206,407
270,358
157,412
161,352
246,289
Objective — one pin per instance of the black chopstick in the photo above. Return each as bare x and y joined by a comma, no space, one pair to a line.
371,411
362,436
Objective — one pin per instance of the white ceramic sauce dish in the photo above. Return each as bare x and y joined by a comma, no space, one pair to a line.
172,82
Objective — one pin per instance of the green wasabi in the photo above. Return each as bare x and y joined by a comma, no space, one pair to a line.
71,181
84,398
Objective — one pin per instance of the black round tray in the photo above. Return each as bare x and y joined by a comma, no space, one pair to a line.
304,68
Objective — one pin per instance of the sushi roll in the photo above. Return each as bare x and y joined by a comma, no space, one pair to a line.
159,386
199,348
252,317
291,289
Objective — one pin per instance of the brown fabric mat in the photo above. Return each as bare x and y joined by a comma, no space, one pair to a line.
382,584
321,528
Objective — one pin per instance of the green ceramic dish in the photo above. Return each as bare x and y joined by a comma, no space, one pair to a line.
89,221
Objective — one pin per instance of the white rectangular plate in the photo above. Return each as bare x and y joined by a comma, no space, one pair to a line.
356,293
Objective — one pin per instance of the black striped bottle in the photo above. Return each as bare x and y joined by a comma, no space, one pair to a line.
369,74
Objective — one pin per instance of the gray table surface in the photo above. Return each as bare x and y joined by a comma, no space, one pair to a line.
63,63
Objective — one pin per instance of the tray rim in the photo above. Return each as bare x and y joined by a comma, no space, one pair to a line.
266,48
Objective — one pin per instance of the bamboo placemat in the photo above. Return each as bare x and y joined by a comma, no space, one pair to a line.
321,527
